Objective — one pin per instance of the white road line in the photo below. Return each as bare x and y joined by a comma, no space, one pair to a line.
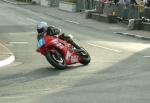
116,28
22,33
7,61
18,42
13,97
72,22
147,56
114,50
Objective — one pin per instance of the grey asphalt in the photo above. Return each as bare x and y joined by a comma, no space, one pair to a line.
119,70
77,18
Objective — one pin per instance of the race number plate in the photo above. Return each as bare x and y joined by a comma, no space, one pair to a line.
41,42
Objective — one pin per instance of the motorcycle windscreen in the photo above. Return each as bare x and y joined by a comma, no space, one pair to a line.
41,42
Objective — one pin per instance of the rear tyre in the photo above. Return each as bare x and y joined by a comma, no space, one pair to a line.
85,57
56,59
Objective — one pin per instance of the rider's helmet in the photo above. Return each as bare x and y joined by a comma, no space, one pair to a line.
42,27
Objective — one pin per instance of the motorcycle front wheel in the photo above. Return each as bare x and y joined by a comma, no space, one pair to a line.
56,59
85,57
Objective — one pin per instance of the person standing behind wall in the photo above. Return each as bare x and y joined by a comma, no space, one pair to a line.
145,2
116,1
103,4
127,6
133,10
147,9
141,8
133,2
148,3
120,8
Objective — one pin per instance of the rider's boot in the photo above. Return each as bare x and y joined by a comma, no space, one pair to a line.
78,48
69,40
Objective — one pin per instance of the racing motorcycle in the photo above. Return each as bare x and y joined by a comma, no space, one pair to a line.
60,53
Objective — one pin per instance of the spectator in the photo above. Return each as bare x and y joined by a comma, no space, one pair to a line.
133,2
122,2
145,2
127,2
121,8
141,5
104,1
134,14
116,1
103,4
148,3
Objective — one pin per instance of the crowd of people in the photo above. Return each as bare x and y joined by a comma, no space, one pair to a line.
129,8
146,3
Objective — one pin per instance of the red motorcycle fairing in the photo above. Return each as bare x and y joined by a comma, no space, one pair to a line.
53,42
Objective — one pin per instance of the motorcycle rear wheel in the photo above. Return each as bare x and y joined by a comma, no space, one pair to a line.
56,59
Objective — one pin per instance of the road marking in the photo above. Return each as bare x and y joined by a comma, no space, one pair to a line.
147,56
7,61
72,22
114,50
34,93
116,28
22,33
18,42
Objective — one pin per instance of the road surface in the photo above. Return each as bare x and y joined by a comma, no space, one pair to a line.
118,73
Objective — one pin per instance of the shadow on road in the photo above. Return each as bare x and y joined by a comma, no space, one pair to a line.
38,73
127,81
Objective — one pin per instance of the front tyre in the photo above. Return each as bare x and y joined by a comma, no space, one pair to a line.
56,59
84,57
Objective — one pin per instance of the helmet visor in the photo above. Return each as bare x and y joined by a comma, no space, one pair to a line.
40,30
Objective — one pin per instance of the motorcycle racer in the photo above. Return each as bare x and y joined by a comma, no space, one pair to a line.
44,29
59,49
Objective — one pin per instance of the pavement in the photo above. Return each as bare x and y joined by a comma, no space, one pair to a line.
76,18
4,52
6,56
15,2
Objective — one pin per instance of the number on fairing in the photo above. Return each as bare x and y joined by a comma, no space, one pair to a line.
55,41
74,59
41,42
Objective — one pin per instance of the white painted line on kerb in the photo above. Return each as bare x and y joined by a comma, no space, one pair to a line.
72,22
7,61
110,49
18,42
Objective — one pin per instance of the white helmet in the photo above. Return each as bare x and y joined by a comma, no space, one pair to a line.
42,27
